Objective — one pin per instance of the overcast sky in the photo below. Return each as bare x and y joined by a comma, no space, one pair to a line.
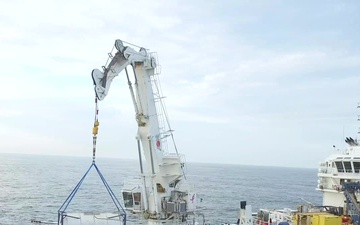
246,82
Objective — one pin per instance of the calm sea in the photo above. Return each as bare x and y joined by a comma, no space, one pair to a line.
34,187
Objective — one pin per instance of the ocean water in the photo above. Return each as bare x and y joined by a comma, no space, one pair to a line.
34,187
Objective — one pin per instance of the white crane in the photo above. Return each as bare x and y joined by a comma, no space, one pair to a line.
164,194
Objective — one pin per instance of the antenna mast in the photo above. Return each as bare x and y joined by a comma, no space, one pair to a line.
358,117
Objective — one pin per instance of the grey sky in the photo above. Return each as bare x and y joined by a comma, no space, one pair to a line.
248,82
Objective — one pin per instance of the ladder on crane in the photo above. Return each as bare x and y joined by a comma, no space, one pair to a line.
350,189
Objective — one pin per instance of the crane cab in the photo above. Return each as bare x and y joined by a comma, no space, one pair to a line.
132,200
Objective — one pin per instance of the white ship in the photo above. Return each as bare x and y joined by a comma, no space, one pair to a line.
338,169
339,181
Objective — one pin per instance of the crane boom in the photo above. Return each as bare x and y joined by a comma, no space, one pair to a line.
146,116
164,194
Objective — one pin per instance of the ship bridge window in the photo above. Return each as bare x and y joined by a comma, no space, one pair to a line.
356,167
339,166
348,168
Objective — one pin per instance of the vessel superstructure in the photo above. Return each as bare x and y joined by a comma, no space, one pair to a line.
339,182
337,169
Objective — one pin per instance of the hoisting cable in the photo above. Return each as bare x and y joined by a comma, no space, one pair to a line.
95,128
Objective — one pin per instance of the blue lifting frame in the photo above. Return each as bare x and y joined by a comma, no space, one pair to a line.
62,210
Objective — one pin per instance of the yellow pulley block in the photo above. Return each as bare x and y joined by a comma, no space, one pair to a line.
96,128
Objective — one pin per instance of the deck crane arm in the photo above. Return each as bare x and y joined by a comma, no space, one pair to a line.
143,98
165,193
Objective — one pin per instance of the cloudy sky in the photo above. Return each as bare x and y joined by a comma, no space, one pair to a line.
246,82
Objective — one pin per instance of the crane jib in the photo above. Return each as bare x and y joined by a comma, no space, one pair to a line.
164,193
